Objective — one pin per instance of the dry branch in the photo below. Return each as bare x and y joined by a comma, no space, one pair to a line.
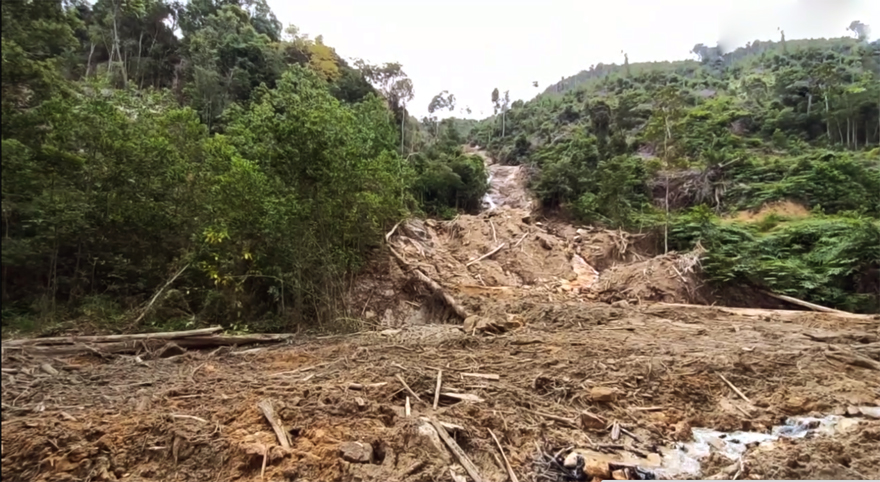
854,359
437,388
503,456
463,459
733,387
407,388
156,296
486,376
490,253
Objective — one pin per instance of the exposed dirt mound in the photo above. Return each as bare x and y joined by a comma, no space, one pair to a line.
850,456
788,209
670,278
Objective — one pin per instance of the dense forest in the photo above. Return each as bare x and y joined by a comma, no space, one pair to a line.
680,148
203,146
150,141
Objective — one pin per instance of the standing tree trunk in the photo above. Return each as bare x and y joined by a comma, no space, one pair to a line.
116,43
89,62
666,174
402,128
827,119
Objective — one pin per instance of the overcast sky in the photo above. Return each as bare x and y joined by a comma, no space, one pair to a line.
470,47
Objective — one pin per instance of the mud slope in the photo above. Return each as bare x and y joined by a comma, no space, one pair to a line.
542,361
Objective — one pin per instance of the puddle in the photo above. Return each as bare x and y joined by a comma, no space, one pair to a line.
683,460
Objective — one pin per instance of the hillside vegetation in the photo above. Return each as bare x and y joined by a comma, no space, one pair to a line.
678,147
147,142
173,163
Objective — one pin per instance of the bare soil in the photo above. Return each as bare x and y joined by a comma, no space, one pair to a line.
645,363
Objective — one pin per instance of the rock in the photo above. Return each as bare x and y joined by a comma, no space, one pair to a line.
527,219
478,323
597,468
471,323
590,420
603,394
620,304
545,241
361,403
618,474
797,405
572,460
870,412
356,452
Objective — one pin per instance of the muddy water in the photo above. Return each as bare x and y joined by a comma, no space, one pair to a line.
507,185
684,459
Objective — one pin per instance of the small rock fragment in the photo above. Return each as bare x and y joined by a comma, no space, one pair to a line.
470,323
620,304
603,394
356,452
49,369
618,474
597,468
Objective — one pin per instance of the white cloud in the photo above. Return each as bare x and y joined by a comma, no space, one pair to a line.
471,47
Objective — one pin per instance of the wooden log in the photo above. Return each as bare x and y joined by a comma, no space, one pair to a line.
268,410
805,304
756,312
69,340
463,459
137,346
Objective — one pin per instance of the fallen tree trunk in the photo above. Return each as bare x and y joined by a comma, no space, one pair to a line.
805,304
433,285
781,314
142,345
69,340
